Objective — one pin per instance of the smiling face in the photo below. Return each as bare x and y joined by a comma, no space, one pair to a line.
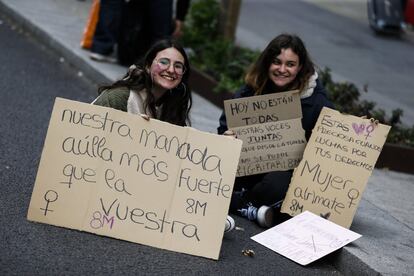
167,69
284,68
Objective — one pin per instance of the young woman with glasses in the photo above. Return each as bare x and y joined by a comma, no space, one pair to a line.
155,88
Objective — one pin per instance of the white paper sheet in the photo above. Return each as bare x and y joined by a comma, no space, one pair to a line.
306,238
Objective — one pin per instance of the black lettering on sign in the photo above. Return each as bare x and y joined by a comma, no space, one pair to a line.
268,137
352,162
94,147
336,134
264,104
50,196
314,198
209,162
296,206
325,179
119,184
96,121
323,153
203,185
353,194
329,122
329,143
75,173
249,130
359,152
367,144
237,108
260,119
148,219
196,207
146,166
277,126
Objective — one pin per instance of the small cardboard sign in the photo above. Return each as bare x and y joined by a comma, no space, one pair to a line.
271,130
115,174
338,160
306,238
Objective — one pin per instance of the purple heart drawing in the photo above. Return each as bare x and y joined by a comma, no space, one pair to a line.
358,128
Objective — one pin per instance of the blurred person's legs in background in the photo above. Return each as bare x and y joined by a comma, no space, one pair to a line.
160,19
107,30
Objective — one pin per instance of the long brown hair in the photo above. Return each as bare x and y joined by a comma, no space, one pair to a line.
176,103
257,75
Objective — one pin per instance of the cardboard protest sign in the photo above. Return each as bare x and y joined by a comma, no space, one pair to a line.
338,160
306,238
115,174
271,130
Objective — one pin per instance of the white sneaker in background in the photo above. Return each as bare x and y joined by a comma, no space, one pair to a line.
102,58
265,216
230,224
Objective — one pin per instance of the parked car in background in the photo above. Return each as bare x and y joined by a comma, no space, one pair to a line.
386,16
409,12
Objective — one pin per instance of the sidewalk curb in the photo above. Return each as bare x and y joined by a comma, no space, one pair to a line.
349,264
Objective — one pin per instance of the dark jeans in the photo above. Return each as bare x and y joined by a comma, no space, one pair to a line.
265,189
143,23
107,29
160,19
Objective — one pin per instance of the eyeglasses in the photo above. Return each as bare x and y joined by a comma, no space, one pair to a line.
164,64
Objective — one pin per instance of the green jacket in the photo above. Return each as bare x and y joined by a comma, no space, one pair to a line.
116,98
121,98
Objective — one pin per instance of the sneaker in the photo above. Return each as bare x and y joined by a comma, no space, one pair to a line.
230,224
102,58
263,215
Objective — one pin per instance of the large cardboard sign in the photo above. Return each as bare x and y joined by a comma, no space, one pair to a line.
115,174
338,160
306,238
271,130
